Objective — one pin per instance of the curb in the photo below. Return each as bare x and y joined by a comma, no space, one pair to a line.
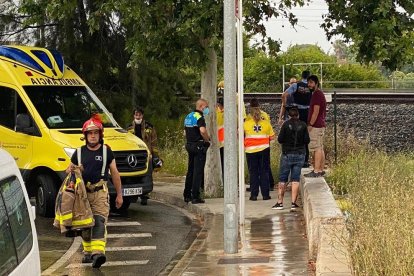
205,215
325,227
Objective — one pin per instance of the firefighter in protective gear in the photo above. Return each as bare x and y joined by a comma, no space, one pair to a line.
95,161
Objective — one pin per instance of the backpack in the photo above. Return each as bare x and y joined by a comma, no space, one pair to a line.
302,95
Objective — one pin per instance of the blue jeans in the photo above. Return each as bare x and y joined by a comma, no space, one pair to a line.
259,164
291,163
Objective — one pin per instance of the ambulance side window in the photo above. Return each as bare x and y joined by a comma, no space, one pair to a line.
10,105
16,238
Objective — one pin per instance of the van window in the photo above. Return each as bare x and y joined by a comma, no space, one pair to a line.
66,106
16,237
10,105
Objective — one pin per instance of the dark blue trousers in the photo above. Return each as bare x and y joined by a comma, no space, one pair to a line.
259,164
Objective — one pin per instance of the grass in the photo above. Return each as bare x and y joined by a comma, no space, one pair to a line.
172,151
377,192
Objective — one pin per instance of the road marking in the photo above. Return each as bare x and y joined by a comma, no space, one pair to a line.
72,249
131,248
123,223
116,263
133,235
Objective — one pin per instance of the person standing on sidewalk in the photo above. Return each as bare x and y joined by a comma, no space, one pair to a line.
96,160
316,127
299,95
294,138
197,144
264,116
257,135
146,132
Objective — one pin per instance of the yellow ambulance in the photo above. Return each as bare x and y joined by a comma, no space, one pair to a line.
43,104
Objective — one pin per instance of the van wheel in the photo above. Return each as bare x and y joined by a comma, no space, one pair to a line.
45,196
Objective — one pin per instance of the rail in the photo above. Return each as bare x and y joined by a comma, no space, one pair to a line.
350,96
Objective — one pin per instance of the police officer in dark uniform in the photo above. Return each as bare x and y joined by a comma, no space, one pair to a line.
196,146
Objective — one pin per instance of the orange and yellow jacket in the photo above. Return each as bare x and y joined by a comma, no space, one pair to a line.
257,136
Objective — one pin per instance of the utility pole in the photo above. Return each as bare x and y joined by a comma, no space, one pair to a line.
230,126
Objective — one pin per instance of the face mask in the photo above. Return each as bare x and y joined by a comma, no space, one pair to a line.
138,122
206,111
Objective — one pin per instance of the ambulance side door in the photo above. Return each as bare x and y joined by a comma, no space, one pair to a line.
18,143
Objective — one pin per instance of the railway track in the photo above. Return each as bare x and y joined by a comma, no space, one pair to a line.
345,97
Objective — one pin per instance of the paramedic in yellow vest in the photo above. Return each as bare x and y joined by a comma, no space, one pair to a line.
92,161
257,135
146,132
220,130
266,117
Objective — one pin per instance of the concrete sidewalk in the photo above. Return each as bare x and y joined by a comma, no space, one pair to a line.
273,242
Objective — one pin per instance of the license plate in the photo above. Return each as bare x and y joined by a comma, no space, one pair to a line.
132,191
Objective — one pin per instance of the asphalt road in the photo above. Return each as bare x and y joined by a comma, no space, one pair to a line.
146,241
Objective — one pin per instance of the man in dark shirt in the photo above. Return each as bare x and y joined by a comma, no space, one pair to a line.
95,164
316,127
196,146
294,138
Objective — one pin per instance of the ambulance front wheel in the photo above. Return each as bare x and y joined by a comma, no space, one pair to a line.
45,196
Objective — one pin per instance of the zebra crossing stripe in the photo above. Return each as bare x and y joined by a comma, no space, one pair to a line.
123,223
132,235
131,248
116,263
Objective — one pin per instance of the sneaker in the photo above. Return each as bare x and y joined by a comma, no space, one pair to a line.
253,198
294,206
267,197
98,260
278,206
312,174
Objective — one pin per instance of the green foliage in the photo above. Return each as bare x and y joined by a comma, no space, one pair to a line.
380,30
379,187
261,73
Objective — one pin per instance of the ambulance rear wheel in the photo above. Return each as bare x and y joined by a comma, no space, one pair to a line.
45,196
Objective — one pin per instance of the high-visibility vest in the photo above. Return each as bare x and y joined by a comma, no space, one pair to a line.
257,135
220,126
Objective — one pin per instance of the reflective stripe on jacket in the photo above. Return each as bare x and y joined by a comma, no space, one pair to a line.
220,127
257,136
72,209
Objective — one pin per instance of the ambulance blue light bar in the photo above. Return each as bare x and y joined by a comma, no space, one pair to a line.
21,57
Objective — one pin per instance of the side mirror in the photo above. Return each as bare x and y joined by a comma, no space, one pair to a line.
23,124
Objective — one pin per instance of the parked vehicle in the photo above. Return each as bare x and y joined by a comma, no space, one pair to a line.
43,104
19,249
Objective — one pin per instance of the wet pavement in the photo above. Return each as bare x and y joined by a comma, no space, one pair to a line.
272,242
142,242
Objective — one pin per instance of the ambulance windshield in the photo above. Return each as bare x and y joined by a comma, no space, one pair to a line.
67,106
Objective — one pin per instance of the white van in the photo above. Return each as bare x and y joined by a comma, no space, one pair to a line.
19,249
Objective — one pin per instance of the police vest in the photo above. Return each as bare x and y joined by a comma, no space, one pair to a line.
302,95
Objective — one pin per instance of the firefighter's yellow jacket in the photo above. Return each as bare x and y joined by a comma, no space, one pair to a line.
72,209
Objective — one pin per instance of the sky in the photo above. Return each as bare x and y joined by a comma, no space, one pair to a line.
308,30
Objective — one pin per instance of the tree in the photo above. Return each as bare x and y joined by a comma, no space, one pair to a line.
380,30
189,33
170,34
